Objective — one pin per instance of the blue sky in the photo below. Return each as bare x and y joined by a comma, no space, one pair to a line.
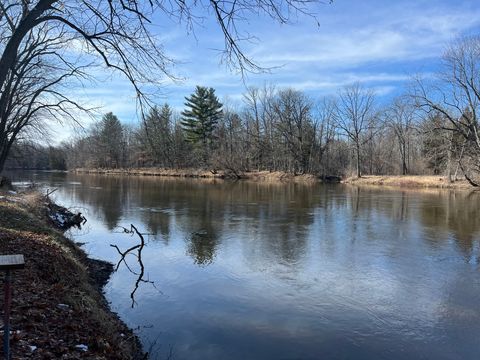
379,43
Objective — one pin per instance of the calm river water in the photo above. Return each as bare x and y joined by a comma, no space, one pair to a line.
261,271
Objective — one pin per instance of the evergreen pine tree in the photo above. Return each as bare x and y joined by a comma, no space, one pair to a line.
110,141
157,134
201,117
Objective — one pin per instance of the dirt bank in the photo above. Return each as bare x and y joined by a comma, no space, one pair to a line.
58,310
260,176
410,181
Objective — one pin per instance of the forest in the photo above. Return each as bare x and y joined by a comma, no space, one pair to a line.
273,129
432,128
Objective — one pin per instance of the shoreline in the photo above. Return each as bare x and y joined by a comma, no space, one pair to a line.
58,305
278,177
380,181
409,182
256,176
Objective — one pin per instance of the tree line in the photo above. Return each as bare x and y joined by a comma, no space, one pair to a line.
275,130
432,129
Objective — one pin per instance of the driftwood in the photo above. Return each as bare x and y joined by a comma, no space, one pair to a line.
61,217
136,251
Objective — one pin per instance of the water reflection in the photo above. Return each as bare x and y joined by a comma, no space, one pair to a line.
272,271
204,210
284,212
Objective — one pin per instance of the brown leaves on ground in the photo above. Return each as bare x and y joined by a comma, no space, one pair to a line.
55,305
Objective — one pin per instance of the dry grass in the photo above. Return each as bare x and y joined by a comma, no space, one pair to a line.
194,173
257,176
278,176
409,181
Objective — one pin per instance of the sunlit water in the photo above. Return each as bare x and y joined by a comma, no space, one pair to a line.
268,271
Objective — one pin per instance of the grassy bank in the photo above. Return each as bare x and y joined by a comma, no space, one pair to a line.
58,310
260,176
395,181
409,181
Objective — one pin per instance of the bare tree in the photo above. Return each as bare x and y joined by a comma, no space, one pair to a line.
456,96
323,123
44,44
354,116
292,111
260,125
34,88
436,142
230,151
252,114
400,118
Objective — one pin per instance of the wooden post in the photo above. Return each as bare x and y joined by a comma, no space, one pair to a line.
7,264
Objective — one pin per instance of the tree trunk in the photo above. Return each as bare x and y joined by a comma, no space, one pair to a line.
404,160
358,160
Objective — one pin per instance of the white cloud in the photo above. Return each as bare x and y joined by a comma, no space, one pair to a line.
406,37
375,42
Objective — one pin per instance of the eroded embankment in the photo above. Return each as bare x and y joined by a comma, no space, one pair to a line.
394,181
260,176
58,310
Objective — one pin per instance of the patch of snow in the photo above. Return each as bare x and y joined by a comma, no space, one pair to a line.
32,348
59,218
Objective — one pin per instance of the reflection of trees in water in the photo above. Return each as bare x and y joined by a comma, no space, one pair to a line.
367,202
155,202
277,216
202,248
107,195
456,213
205,210
289,219
157,223
440,212
202,220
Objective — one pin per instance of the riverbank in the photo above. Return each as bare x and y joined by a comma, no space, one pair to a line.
409,181
394,181
258,176
58,309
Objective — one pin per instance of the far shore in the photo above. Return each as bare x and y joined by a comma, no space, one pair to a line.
260,176
394,181
409,181
265,176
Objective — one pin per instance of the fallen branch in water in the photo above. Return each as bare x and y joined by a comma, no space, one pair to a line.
50,192
123,254
63,218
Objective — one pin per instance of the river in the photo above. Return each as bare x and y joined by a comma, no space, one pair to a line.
239,270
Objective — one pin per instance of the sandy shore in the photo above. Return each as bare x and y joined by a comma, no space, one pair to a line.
409,181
